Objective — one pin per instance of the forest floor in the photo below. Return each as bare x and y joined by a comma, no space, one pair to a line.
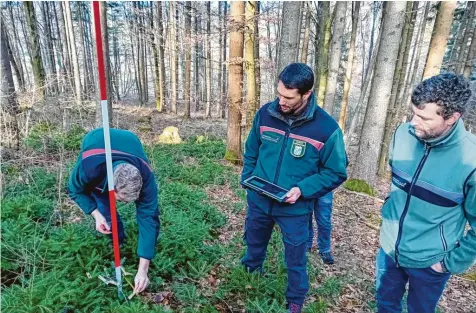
49,247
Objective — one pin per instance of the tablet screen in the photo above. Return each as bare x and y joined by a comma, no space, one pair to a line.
266,187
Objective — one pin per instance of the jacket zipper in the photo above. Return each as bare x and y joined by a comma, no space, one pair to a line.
443,240
281,153
409,195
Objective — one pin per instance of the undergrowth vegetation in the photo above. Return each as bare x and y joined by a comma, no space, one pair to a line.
51,255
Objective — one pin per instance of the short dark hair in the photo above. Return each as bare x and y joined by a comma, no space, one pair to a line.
297,76
449,91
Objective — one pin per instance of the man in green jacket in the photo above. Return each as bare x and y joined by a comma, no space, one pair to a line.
133,181
294,144
432,198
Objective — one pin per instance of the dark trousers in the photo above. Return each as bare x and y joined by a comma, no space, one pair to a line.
295,230
425,286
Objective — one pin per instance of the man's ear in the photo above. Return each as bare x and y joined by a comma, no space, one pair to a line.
306,95
453,118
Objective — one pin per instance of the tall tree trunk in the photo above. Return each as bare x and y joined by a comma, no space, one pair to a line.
350,63
49,42
289,39
324,41
86,71
16,54
11,58
65,50
221,74
9,103
36,60
471,54
458,40
233,146
224,81
208,65
439,38
250,14
466,39
159,58
60,48
355,125
257,58
174,57
196,60
373,128
415,55
188,61
398,80
307,31
74,56
107,63
334,59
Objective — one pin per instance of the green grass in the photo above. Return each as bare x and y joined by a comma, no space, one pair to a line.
47,254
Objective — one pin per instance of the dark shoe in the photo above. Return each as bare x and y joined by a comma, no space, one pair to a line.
327,257
294,308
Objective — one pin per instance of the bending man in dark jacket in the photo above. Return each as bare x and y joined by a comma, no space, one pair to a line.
298,146
133,181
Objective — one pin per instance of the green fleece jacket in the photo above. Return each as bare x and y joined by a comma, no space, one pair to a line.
432,198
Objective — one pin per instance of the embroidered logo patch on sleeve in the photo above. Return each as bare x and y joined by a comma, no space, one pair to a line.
298,148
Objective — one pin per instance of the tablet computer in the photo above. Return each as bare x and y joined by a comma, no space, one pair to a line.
266,188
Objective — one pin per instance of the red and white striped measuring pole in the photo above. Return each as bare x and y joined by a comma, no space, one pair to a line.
107,144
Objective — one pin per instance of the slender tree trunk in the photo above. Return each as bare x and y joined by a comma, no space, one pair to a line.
373,128
74,56
11,58
159,59
220,58
416,55
50,47
257,58
350,63
208,66
196,58
307,31
439,38
289,39
36,60
65,49
19,55
355,127
173,48
324,41
188,61
458,41
398,79
224,81
86,72
471,55
233,147
250,13
9,103
334,59
466,40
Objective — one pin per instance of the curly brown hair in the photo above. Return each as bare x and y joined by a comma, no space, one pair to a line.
449,91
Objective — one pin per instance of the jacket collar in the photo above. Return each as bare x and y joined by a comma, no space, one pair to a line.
456,133
306,115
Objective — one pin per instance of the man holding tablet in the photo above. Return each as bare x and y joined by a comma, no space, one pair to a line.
296,146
